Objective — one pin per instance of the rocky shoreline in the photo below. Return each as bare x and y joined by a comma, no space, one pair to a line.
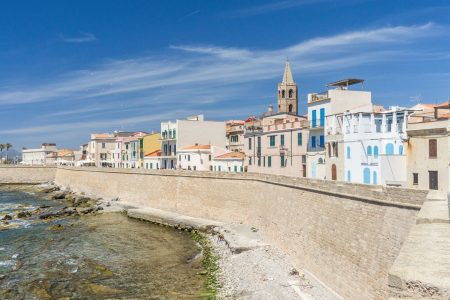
233,272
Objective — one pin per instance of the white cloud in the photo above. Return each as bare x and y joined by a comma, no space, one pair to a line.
84,37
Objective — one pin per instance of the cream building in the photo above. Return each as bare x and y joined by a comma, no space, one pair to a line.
338,99
100,149
184,133
235,135
153,160
428,150
46,155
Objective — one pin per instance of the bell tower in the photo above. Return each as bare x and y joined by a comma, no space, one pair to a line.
288,93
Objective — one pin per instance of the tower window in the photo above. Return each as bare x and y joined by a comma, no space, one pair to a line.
290,107
283,94
291,93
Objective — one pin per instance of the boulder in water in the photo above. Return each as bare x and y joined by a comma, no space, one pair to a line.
7,217
24,214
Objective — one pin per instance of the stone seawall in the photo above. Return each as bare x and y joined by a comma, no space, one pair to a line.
26,174
347,235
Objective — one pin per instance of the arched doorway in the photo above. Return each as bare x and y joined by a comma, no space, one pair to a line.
333,172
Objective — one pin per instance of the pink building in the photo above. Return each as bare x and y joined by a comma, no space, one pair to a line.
278,146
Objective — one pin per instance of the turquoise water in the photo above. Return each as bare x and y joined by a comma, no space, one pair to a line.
107,256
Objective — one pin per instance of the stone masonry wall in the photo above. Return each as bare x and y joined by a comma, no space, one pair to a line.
347,235
23,174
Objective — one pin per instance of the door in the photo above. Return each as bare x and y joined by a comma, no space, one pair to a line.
433,180
366,175
333,172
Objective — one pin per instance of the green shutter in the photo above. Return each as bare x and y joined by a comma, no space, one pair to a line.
269,161
300,139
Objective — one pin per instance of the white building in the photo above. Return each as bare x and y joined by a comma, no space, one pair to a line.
46,155
367,147
153,160
184,133
229,162
334,101
198,157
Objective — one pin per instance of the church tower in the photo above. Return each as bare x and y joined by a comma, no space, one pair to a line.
288,93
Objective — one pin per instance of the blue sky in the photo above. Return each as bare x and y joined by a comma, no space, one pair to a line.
69,68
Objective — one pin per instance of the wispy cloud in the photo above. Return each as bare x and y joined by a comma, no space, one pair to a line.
199,78
84,37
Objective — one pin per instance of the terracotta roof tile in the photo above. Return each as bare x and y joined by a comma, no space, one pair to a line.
197,147
154,153
238,155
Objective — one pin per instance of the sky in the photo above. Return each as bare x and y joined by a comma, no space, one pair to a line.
69,68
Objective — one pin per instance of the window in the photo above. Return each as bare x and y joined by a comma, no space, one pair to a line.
291,93
313,118
400,150
209,157
290,107
366,175
322,141
375,179
313,142
348,152
249,143
242,169
180,157
264,161
369,150
389,149
432,148
259,161
283,94
174,133
375,151
104,145
333,172
220,168
282,160
272,140
259,144
433,180
189,158
269,161
250,161
299,138
349,176
282,140
415,178
322,117
235,168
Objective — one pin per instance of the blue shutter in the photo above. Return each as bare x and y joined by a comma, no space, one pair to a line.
314,117
322,117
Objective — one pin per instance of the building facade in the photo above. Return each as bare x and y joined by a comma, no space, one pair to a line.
100,149
184,133
367,147
428,150
46,155
235,135
338,99
148,144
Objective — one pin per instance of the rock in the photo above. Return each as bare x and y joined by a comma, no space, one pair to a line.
108,204
44,206
7,217
56,227
102,290
293,272
24,214
86,210
58,195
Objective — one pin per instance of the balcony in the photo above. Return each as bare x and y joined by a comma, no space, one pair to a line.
369,160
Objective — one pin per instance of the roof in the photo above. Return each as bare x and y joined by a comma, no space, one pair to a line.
229,155
232,122
197,147
378,108
154,153
65,152
287,75
346,82
102,136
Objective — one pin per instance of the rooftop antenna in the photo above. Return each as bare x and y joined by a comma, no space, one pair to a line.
417,99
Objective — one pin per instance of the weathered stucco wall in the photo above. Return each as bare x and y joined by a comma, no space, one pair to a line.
26,174
347,235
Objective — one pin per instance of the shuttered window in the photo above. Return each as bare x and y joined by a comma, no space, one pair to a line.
432,148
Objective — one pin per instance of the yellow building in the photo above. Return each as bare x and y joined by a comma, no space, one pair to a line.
148,144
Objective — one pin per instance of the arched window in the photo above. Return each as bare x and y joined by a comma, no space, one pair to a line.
389,149
320,161
283,94
369,150
400,150
375,151
375,181
290,107
348,152
291,93
366,175
349,176
174,134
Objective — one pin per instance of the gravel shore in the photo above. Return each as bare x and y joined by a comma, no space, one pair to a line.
264,273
